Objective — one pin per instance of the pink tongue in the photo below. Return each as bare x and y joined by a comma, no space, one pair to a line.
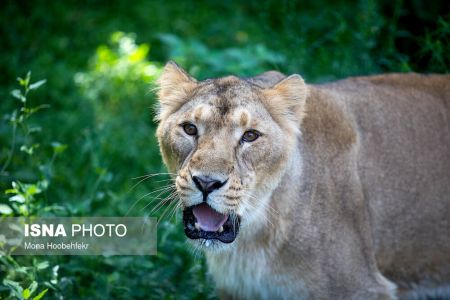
208,218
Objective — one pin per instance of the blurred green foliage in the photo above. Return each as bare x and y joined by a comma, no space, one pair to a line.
79,155
203,62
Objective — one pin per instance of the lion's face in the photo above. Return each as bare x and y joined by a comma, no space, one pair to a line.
228,150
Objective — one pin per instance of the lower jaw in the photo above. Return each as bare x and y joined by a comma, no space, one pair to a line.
209,244
211,236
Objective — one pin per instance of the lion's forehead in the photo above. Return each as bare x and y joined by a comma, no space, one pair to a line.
228,103
225,114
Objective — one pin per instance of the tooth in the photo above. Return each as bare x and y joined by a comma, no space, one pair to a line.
221,229
207,243
197,226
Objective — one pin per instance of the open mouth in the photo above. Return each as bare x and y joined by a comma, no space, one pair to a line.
203,222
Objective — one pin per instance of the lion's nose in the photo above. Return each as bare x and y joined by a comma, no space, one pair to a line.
206,184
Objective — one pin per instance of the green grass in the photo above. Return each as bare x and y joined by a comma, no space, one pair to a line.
100,60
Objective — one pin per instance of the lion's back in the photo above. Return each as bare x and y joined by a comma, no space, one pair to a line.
403,127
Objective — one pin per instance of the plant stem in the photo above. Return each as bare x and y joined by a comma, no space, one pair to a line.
11,151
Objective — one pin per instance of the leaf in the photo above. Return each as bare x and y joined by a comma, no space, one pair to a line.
33,286
29,150
42,265
54,208
21,81
42,185
5,209
32,189
32,110
27,79
15,227
139,54
18,95
37,84
14,286
23,270
15,185
11,191
17,198
13,118
23,210
26,294
55,270
58,147
35,129
26,149
41,294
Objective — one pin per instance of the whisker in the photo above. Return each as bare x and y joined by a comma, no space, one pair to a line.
196,250
153,175
169,198
174,211
164,180
136,184
160,190
165,211
146,177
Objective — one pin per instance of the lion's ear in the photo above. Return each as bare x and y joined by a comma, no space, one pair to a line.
288,96
175,85
293,90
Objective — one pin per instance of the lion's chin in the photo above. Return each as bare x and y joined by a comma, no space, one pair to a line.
203,223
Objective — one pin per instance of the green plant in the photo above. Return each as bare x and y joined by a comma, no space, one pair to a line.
19,117
436,45
117,86
119,71
21,275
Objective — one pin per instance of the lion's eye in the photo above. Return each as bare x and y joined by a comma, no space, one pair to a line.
250,136
190,129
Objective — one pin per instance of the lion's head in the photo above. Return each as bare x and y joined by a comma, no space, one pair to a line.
228,140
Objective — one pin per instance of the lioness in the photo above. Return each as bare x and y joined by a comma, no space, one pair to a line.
296,191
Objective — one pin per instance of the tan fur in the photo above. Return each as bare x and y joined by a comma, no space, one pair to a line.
243,120
346,192
175,86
